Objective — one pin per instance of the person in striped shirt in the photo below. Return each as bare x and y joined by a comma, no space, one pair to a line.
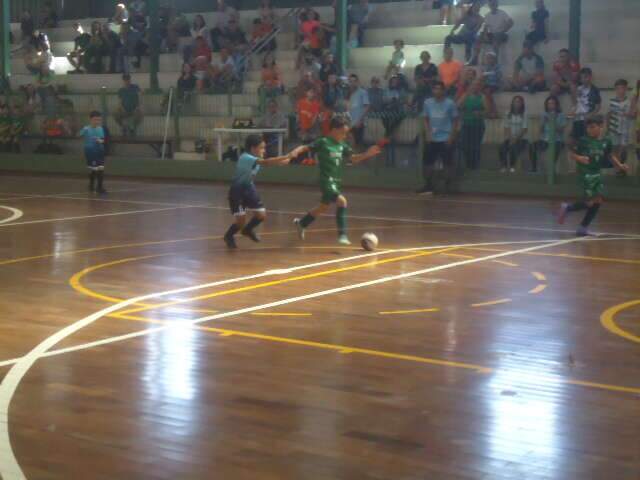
619,119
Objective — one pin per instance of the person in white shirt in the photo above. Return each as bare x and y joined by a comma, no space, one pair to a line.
497,24
515,132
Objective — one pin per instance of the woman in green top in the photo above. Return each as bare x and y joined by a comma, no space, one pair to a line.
473,107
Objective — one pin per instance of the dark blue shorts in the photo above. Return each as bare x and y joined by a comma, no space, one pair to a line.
95,158
243,198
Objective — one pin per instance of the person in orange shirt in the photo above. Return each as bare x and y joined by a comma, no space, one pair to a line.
308,110
450,71
271,82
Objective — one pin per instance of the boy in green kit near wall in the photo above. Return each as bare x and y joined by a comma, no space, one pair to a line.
591,154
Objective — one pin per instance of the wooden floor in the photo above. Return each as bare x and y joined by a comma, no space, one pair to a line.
481,341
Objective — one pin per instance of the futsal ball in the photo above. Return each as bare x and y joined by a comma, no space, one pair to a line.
369,241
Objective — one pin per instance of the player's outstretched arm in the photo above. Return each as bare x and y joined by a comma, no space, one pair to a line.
579,158
373,151
285,159
618,164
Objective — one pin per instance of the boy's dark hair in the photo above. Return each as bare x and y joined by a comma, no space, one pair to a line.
400,41
252,141
126,76
564,50
586,71
512,109
438,83
338,122
95,114
621,82
546,104
595,120
353,75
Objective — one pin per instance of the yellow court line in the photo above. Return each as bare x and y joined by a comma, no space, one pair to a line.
539,276
562,255
492,302
608,320
280,314
504,262
343,349
538,289
290,279
403,312
458,255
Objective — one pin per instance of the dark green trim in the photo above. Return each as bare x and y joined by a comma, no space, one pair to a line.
355,177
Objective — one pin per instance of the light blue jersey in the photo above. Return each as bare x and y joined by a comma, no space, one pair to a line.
246,169
91,136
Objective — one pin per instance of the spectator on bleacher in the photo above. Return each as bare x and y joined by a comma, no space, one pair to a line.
376,97
497,24
552,116
334,98
19,123
397,58
450,71
186,86
395,101
27,26
471,24
224,15
121,14
445,10
310,28
308,115
136,38
80,44
39,41
271,86
263,30
202,56
178,27
129,113
565,74
424,76
93,55
328,67
358,109
586,103
492,77
223,71
112,48
30,101
358,15
198,30
468,76
235,41
273,118
267,12
5,127
619,119
138,7
528,72
307,82
441,122
516,126
473,107
48,16
539,31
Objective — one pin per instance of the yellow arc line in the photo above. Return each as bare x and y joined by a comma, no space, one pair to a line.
402,312
538,289
289,280
539,276
563,255
492,302
608,320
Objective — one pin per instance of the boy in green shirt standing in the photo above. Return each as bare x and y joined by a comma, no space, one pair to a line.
332,151
591,154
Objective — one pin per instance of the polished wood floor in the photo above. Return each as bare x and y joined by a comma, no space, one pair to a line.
508,351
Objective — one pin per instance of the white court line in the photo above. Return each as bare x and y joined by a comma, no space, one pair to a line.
84,217
15,214
9,467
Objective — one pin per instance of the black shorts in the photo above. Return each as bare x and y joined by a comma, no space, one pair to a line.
95,158
438,150
243,198
579,129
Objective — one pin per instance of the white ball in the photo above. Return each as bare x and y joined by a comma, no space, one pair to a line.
369,241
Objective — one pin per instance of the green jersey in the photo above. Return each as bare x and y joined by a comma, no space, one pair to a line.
331,156
590,175
5,128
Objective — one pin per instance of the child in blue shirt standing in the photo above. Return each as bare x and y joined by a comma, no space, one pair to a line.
243,195
94,152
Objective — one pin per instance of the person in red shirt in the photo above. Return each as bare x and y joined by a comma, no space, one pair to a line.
201,61
308,110
565,74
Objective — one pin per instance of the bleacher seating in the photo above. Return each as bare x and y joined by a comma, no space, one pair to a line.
607,51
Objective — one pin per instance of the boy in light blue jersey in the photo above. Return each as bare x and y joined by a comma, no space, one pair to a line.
243,195
94,152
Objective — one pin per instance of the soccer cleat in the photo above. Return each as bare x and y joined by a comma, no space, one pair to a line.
343,239
230,241
252,235
299,227
583,232
562,213
424,191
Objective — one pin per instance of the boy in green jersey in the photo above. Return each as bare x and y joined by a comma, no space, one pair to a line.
591,154
332,151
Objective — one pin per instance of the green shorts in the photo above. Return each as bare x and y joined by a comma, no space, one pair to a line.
331,190
592,186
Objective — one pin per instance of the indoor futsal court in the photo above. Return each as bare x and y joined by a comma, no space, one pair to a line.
479,341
